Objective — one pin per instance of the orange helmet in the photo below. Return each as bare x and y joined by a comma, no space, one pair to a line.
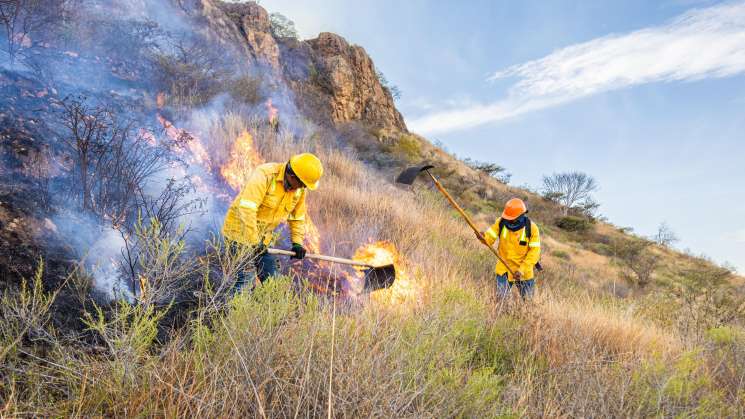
514,208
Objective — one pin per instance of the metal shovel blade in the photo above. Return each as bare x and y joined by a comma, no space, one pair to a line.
379,277
408,176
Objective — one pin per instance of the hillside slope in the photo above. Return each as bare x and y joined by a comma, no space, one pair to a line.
203,91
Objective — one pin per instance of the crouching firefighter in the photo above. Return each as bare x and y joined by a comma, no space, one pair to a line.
275,192
519,246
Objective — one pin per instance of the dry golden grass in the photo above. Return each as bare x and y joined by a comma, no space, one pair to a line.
563,327
451,350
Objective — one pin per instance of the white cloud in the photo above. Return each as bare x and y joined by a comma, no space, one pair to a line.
701,43
740,236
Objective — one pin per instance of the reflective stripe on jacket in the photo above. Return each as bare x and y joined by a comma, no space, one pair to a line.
262,204
519,257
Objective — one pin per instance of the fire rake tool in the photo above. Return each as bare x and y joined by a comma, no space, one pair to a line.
408,176
376,277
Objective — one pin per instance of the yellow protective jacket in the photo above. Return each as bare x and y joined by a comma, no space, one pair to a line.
519,257
262,204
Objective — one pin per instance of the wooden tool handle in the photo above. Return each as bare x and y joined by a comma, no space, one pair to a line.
467,218
333,259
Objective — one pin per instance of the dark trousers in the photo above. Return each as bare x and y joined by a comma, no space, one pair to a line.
526,288
265,266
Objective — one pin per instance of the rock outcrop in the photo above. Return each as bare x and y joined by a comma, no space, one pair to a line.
351,79
323,72
255,27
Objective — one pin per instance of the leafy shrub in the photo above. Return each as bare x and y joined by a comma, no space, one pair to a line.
406,147
574,224
637,259
706,300
282,26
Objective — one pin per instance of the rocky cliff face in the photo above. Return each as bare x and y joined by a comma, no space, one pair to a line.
252,21
350,76
332,80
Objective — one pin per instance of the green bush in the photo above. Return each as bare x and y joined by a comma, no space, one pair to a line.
561,254
636,259
726,335
405,147
573,224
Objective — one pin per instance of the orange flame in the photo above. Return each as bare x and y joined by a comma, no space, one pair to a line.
243,159
271,112
384,253
188,142
377,254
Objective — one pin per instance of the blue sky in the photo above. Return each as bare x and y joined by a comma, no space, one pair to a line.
647,97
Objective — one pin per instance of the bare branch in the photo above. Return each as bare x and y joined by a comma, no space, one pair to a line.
573,190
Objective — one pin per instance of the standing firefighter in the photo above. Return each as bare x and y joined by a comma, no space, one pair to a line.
519,246
275,192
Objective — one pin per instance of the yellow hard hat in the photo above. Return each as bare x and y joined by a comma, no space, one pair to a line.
308,168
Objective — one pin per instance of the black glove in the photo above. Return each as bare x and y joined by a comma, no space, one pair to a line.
299,251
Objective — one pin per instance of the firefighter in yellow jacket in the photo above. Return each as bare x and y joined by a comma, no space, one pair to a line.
519,246
274,193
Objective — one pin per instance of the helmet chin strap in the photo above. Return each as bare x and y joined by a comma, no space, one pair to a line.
286,182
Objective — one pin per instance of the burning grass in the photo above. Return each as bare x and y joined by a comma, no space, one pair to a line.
434,345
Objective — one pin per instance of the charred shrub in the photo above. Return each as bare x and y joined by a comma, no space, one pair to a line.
111,160
23,20
246,89
190,70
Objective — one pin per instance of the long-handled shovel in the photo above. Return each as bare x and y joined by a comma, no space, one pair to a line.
408,176
376,277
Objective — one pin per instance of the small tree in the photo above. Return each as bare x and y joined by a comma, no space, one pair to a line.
665,236
391,88
706,299
637,260
573,190
490,169
282,27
